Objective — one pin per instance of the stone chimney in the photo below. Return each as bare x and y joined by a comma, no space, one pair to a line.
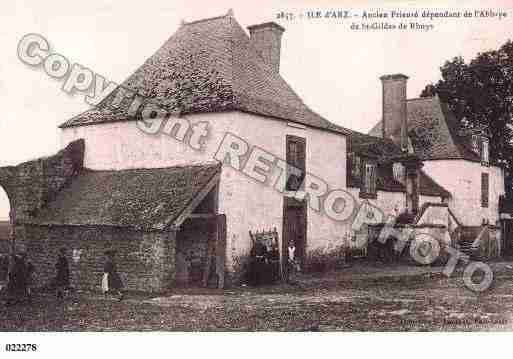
394,109
267,40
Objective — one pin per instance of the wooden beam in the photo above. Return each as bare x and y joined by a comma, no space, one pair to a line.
216,251
221,249
211,246
196,200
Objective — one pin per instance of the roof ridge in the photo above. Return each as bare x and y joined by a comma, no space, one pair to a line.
222,70
213,163
185,23
422,98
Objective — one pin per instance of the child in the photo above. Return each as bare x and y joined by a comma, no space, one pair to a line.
111,282
292,265
29,271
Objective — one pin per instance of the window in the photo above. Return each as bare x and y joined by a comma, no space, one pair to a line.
485,188
296,158
398,171
475,143
356,166
485,151
369,180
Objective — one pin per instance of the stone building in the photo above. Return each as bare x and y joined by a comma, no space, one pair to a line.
456,158
205,142
210,75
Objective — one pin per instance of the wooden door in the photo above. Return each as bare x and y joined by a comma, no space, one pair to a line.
507,236
294,228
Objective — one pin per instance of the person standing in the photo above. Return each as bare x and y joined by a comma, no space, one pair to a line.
111,281
17,285
292,265
29,271
62,276
274,260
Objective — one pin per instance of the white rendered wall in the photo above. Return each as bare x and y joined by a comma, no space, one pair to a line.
463,180
248,204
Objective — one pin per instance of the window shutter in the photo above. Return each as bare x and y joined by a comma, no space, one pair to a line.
369,178
485,151
475,144
485,189
372,187
356,167
365,174
301,156
296,157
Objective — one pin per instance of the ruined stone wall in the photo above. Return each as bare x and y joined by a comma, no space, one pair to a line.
145,261
32,184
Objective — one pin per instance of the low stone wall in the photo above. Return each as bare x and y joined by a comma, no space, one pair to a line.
145,261
322,259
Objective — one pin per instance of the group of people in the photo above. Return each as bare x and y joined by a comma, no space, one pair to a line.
19,279
21,270
20,274
264,266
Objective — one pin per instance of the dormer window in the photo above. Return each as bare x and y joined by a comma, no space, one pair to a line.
481,146
398,171
368,189
475,143
485,151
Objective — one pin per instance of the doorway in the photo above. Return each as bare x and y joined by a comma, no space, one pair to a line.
507,236
294,228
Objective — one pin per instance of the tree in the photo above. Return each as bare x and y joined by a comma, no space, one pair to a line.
480,93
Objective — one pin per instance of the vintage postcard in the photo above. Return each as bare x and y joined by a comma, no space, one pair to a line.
276,166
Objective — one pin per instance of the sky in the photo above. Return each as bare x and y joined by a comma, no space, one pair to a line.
334,69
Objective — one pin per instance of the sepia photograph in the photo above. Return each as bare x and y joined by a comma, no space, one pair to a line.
288,167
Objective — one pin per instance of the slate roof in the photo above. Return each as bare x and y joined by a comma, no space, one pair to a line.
434,131
385,152
141,199
386,182
208,66
428,186
382,149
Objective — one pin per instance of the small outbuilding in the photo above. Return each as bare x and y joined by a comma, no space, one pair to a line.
162,222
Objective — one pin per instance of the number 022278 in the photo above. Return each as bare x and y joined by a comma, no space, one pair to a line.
20,347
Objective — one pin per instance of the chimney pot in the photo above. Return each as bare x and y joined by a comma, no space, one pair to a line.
266,38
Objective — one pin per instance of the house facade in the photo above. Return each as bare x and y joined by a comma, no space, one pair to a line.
456,158
233,122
